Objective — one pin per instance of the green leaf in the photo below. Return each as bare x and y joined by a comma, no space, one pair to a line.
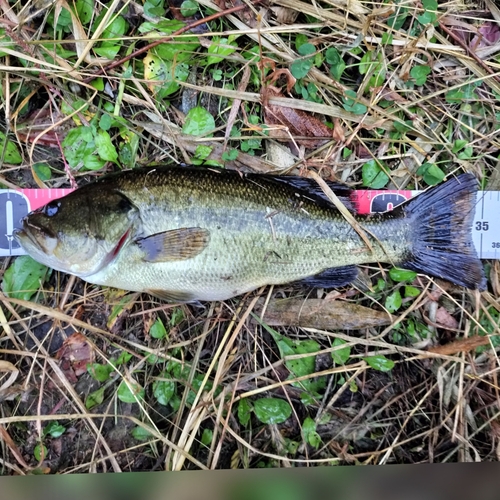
466,154
207,436
298,367
373,175
78,144
177,52
108,51
272,410
189,8
427,18
397,20
115,30
10,152
309,432
43,171
40,452
54,429
458,145
158,330
123,358
306,49
195,387
100,372
105,147
141,434
154,8
176,316
244,410
23,277
431,173
300,40
346,152
93,162
337,64
380,363
202,152
219,49
166,72
340,356
130,391
301,67
230,155
420,73
351,105
198,122
411,291
332,56
105,122
455,96
94,398
393,302
430,4
163,390
85,10
399,275
403,127
387,38
366,63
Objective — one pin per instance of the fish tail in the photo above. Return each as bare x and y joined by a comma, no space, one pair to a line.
442,220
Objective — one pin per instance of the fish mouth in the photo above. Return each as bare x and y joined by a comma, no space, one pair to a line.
39,238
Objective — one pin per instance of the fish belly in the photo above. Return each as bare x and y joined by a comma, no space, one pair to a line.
246,250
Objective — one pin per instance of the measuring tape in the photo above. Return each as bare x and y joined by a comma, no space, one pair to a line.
16,204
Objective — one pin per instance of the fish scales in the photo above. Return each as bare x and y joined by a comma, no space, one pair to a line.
205,234
260,233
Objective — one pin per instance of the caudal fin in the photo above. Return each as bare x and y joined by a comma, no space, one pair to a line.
442,219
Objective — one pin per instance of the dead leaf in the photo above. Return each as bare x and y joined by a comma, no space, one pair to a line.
323,314
462,345
488,35
38,121
287,123
8,367
246,15
285,15
445,319
338,131
75,354
389,94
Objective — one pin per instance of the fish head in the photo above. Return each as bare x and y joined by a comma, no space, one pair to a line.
80,233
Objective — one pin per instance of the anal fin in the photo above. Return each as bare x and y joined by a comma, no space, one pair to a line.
176,244
171,295
332,277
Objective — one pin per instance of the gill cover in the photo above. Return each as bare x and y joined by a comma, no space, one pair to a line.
80,233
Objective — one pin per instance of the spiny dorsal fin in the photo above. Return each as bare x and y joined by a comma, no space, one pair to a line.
176,244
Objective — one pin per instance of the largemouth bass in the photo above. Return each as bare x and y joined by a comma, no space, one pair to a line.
194,233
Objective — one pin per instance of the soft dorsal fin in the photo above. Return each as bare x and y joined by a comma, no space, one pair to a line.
176,244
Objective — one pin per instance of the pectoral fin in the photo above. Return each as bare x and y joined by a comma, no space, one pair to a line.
177,244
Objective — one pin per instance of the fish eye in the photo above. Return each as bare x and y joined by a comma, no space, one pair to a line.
52,208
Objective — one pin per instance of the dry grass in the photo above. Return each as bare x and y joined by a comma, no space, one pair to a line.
433,406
